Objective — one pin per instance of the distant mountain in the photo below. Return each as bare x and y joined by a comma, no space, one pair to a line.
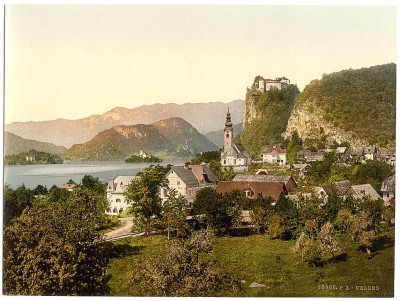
217,137
171,138
205,117
14,144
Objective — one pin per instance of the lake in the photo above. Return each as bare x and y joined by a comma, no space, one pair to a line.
58,174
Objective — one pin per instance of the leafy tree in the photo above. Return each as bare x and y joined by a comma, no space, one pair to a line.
174,212
94,184
15,201
143,194
207,157
40,190
328,240
343,220
301,245
179,273
288,210
372,172
363,230
220,212
276,226
57,194
56,249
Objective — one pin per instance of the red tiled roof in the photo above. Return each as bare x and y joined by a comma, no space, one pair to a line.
265,188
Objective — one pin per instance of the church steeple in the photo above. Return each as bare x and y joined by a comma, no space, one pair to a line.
228,133
228,123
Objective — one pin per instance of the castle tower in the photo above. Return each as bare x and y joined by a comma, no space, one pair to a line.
228,133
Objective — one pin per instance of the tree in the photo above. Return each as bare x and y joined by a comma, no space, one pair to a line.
174,212
179,273
143,193
363,230
301,245
15,201
328,240
276,226
343,220
94,184
258,217
56,249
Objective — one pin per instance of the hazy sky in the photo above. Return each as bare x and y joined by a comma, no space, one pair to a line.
74,61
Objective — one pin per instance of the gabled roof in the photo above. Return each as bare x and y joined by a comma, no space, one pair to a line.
193,174
68,186
389,184
271,189
276,149
338,188
341,149
365,190
300,166
262,178
369,150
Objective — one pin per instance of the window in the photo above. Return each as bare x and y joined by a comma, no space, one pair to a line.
115,210
121,209
178,182
224,161
118,200
227,135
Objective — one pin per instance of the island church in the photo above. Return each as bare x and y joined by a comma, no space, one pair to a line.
233,155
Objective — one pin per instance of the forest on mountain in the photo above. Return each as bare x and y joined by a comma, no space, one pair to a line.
361,101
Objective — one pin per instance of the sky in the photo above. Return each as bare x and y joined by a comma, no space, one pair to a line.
72,61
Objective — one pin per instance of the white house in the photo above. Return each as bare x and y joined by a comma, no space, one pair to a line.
274,154
388,188
233,155
189,179
115,194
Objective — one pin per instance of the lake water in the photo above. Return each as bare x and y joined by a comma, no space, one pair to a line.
58,174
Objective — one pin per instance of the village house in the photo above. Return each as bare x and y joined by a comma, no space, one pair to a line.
309,156
388,189
252,189
233,155
274,154
387,155
115,194
189,179
370,153
69,187
290,183
280,83
344,188
300,168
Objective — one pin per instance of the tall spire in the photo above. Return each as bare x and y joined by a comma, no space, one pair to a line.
228,123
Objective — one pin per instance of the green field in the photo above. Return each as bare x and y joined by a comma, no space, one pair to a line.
269,262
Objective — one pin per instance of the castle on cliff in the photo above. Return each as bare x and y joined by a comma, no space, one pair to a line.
266,84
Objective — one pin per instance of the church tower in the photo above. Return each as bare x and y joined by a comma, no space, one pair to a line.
228,133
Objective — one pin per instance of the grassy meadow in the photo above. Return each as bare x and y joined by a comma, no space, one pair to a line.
257,258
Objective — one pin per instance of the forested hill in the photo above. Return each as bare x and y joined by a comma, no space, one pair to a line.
265,116
169,139
355,106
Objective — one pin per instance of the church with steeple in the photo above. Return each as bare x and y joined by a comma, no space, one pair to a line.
233,155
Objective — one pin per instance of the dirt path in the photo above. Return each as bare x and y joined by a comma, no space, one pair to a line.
124,229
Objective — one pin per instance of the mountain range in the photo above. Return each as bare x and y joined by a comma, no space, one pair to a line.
205,117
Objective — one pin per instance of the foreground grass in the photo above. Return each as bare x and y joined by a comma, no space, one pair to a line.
272,263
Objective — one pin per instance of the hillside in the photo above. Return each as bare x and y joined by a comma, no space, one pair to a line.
265,116
14,144
217,137
354,106
205,117
171,138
